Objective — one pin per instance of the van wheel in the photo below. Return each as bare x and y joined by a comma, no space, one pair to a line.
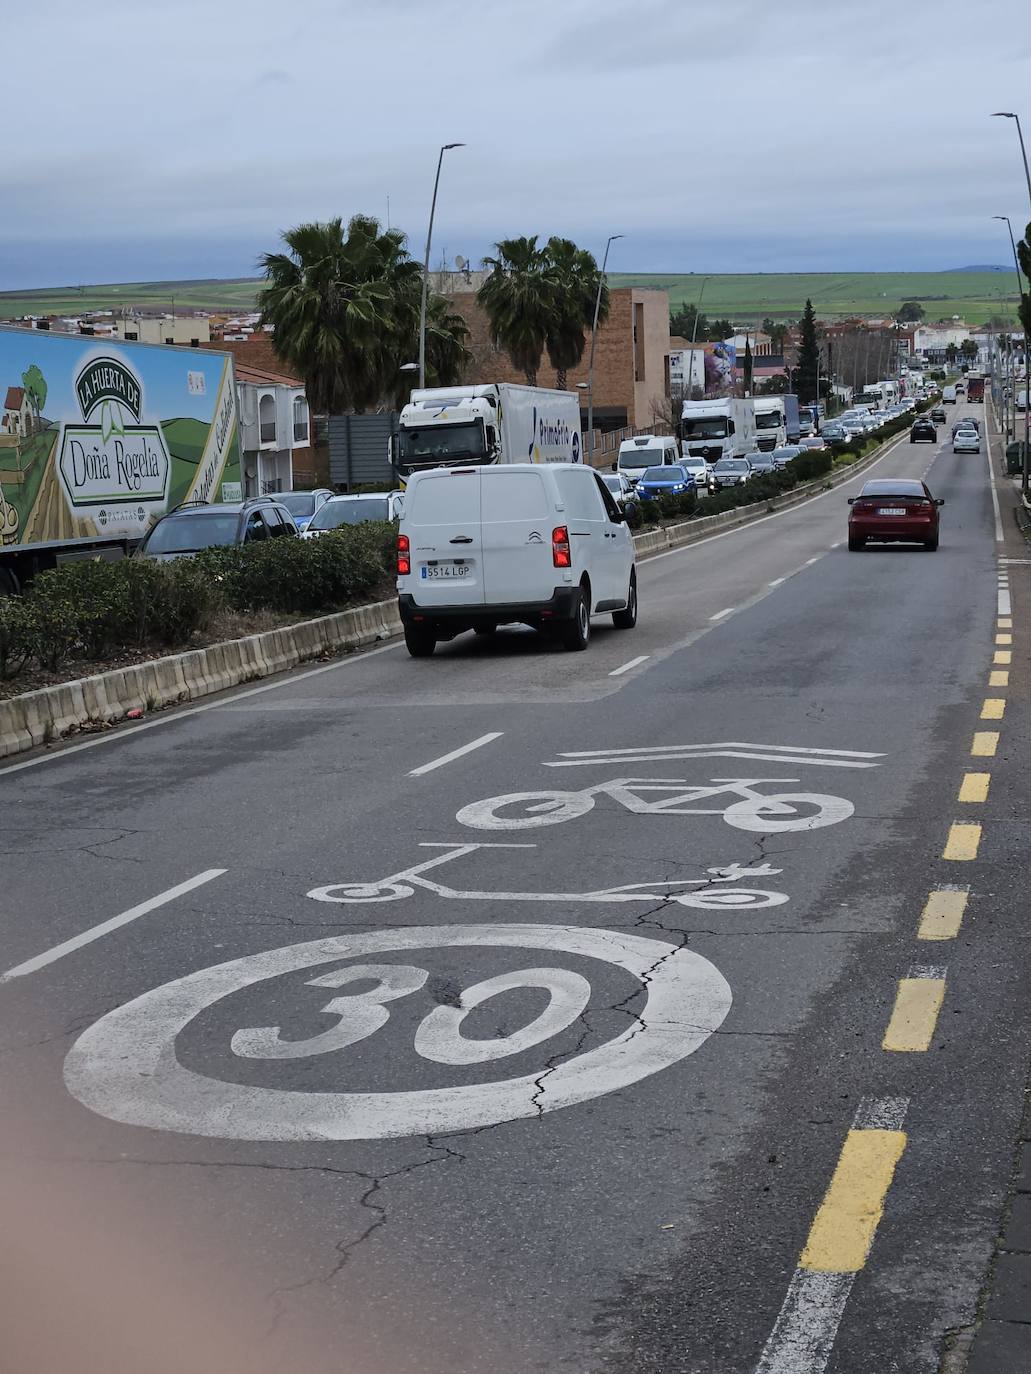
627,619
576,632
420,641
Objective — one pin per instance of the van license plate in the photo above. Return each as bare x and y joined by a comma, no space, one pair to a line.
430,571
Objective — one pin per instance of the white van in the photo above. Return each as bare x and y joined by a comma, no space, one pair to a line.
518,543
646,451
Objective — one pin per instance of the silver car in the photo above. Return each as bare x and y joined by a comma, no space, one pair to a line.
355,510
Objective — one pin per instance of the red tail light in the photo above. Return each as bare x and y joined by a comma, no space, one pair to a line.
404,555
560,555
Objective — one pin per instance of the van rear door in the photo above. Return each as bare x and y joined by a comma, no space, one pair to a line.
442,521
517,515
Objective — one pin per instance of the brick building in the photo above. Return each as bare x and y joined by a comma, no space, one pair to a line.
630,367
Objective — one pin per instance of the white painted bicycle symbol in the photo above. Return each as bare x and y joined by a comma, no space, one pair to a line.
712,897
762,812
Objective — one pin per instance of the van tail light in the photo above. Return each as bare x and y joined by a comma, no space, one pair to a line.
404,555
560,555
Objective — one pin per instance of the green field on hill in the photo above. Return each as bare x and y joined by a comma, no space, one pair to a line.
975,296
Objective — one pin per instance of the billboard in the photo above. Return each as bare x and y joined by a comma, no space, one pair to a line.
100,437
720,362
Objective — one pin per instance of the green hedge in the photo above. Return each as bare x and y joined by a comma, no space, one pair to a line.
97,609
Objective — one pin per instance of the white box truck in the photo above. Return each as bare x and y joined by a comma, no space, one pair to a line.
723,427
497,422
770,423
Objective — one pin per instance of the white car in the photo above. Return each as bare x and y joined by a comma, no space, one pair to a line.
355,510
700,470
536,544
621,487
966,440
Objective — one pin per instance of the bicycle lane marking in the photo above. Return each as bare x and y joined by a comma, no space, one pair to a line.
125,1067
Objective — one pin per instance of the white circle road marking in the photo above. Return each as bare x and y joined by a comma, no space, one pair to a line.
125,1067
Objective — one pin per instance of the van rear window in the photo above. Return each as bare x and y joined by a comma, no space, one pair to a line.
444,497
512,495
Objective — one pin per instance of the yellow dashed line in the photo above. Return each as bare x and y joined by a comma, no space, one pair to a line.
963,842
1003,656
999,677
843,1229
993,708
974,787
1004,639
915,1015
943,914
1004,623
985,744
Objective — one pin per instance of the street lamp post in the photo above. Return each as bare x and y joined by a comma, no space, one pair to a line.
1008,114
594,338
694,336
426,266
1025,471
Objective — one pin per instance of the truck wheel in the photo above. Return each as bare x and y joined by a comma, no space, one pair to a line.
576,632
627,618
420,641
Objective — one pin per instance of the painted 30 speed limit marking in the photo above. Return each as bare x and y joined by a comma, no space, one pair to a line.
125,1067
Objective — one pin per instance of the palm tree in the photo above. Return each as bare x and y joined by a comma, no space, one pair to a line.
574,277
950,354
344,309
517,297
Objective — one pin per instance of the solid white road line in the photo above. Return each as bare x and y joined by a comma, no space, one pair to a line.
456,754
131,731
116,922
776,582
720,614
641,658
991,484
810,561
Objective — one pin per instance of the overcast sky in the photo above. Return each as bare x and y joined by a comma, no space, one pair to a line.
177,138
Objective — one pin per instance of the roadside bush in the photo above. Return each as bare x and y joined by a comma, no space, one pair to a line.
187,601
81,603
811,464
17,642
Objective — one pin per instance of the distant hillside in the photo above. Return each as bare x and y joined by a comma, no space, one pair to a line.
981,268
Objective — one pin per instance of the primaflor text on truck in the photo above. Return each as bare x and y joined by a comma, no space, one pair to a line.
462,426
98,438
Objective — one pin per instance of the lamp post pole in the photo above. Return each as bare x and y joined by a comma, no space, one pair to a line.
1008,114
1025,470
594,339
694,336
426,266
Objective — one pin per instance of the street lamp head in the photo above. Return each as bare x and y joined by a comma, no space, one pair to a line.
452,145
583,386
1004,114
409,367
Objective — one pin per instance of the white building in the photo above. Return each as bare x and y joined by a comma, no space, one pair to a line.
686,371
187,330
274,421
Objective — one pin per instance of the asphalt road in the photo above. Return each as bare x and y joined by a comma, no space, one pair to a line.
410,1079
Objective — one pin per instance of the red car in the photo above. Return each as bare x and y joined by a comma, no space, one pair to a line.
893,510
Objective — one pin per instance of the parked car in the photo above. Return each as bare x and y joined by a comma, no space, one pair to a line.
198,525
731,472
302,505
539,544
671,480
938,415
782,456
621,487
922,428
355,510
762,463
893,510
966,440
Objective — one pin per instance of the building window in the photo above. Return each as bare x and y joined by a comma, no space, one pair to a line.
639,342
300,420
267,419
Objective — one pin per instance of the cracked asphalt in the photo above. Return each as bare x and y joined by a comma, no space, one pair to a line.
651,1224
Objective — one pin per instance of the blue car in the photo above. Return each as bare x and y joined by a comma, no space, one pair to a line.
671,480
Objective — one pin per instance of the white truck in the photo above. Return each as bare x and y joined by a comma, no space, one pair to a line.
770,423
497,422
723,427
949,395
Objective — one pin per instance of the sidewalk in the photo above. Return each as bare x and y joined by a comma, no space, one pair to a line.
1000,1342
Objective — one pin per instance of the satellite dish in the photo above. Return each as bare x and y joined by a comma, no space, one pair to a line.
461,263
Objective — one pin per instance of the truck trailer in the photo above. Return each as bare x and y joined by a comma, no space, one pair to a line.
99,438
497,422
